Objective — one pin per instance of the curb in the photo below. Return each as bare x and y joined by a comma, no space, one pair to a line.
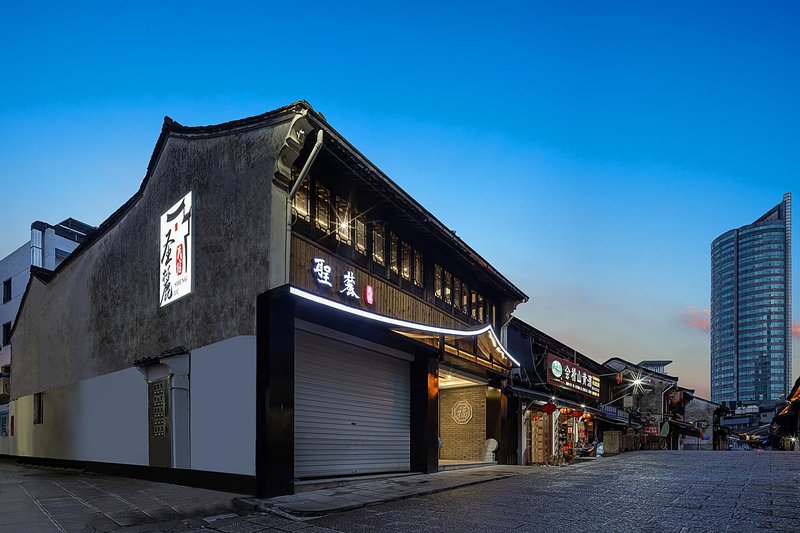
259,506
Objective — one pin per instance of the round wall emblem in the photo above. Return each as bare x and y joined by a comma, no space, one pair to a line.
556,369
462,412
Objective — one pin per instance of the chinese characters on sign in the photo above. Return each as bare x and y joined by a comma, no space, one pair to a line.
322,272
349,285
322,276
462,412
175,264
568,375
369,295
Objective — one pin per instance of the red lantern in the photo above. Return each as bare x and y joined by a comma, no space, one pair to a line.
587,416
577,413
548,408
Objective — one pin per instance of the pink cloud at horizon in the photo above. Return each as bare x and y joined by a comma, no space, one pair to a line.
701,319
696,318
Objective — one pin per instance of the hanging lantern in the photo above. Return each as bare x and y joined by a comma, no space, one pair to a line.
587,416
563,410
577,413
548,408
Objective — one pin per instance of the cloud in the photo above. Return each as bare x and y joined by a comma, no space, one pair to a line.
695,318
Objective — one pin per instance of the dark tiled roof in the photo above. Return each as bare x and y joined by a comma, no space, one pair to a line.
171,127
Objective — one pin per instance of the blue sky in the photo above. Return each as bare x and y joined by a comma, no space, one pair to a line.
606,144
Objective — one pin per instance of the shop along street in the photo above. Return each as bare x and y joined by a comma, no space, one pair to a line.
640,491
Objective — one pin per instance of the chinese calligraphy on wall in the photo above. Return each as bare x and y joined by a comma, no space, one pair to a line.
462,412
176,260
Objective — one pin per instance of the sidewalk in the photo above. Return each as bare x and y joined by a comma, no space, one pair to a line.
51,499
36,499
360,494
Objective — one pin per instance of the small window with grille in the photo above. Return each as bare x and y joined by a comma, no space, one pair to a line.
323,208
379,245
419,273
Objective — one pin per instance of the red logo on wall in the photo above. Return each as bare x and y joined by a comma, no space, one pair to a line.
369,294
179,260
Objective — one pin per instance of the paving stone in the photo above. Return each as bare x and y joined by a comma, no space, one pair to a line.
236,526
641,491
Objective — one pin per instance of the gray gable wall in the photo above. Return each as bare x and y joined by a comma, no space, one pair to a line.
101,312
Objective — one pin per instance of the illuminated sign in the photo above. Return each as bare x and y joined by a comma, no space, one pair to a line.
322,276
349,285
176,253
322,272
567,375
405,323
369,294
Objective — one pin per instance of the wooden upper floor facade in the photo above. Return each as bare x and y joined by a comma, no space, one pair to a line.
352,219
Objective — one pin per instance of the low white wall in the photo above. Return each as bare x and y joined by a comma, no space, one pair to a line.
104,418
223,406
100,419
7,442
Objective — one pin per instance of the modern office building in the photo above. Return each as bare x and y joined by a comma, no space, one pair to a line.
751,309
49,246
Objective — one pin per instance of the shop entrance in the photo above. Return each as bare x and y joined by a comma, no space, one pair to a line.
573,434
537,437
352,407
462,419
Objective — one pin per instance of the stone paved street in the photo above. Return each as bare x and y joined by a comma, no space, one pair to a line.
640,491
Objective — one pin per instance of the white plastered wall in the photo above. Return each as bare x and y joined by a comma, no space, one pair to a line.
101,419
223,406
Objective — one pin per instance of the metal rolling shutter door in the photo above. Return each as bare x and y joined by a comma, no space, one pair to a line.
352,409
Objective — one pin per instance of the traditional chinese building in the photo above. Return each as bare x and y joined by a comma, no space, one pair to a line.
655,400
786,423
267,309
704,416
563,396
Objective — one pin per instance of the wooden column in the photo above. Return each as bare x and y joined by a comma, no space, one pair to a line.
425,413
497,420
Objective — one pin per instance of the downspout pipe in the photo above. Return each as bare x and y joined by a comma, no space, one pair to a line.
663,395
292,192
504,332
307,166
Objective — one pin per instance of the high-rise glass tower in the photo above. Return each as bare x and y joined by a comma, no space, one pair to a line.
751,309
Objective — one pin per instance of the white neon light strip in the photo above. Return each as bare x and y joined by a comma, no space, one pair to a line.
401,323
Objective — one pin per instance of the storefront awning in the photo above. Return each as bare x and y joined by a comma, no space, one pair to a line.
530,394
479,345
545,397
681,428
612,415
